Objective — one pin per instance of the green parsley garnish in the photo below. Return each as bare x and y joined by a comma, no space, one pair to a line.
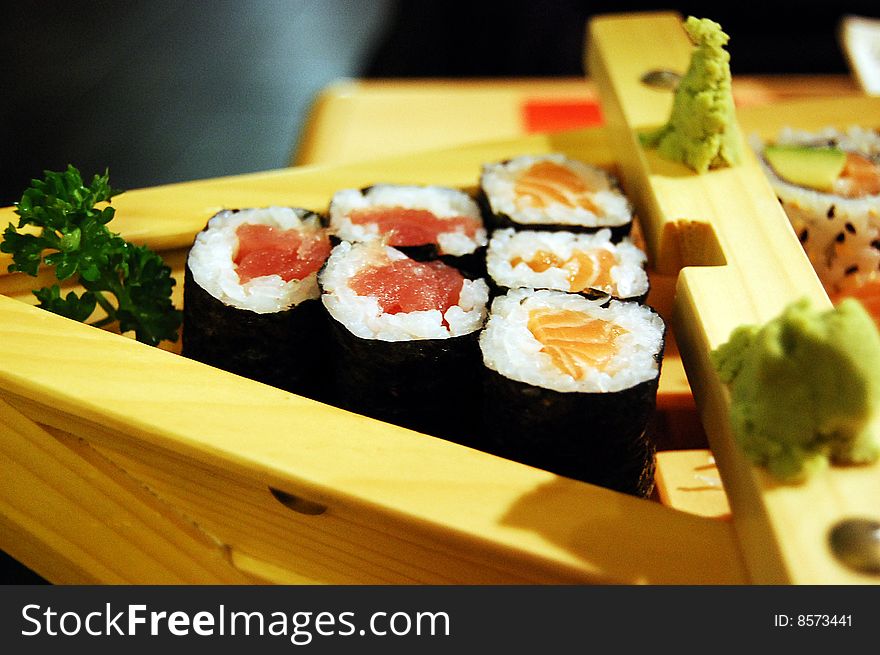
74,240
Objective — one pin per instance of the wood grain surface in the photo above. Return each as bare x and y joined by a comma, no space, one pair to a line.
740,263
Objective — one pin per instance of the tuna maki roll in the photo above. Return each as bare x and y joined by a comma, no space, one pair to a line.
590,264
553,192
829,185
570,386
251,297
405,338
424,222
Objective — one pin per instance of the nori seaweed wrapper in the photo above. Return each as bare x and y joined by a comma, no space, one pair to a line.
472,266
286,349
428,385
496,289
495,221
600,438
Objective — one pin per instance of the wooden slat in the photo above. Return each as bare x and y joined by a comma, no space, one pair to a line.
75,517
748,265
479,506
167,217
347,545
688,480
350,120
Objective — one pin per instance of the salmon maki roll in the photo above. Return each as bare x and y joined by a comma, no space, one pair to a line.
589,264
424,222
405,338
251,297
570,385
552,192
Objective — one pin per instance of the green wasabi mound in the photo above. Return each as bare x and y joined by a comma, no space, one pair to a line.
805,389
702,131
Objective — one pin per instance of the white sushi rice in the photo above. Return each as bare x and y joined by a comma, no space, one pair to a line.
628,275
839,234
443,202
498,182
509,347
211,260
363,316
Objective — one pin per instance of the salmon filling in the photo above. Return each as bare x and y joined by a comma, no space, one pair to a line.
546,183
586,270
860,177
575,342
406,285
412,227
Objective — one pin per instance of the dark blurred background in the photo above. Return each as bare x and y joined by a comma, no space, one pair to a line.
163,91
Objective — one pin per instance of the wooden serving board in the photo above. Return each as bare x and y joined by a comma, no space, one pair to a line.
279,488
241,460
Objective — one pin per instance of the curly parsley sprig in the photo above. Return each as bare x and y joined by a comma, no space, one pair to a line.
130,283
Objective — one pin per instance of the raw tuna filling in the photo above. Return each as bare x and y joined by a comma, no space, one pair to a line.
413,227
406,285
266,250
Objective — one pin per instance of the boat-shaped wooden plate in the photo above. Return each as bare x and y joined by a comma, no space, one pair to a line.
125,463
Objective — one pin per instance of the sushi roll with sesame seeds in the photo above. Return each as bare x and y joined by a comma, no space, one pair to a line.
424,222
590,264
251,297
553,192
570,385
829,185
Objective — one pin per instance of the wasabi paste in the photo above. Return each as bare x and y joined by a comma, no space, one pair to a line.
701,132
805,389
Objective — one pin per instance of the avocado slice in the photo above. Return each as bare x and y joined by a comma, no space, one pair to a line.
808,166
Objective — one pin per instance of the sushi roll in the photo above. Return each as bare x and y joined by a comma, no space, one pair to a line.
570,386
590,264
405,339
829,185
424,222
251,297
553,192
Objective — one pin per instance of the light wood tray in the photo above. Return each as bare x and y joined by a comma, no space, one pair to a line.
124,463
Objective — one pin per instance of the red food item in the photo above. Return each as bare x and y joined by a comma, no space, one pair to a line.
557,115
412,227
410,286
546,183
574,341
868,294
860,177
265,250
